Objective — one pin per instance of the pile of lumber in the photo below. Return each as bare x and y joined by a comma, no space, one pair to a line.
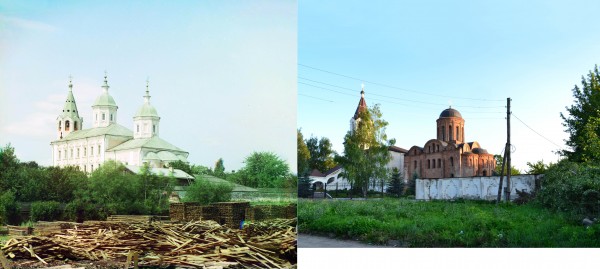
269,244
19,231
231,213
50,227
131,218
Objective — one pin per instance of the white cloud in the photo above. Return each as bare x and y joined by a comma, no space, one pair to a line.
28,24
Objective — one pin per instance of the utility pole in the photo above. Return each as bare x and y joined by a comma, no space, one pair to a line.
506,159
508,149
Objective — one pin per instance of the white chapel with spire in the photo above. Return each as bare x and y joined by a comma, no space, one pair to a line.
89,148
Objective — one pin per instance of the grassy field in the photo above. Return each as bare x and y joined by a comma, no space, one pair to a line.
443,224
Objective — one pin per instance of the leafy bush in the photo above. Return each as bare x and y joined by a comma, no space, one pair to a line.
572,187
45,210
9,209
204,192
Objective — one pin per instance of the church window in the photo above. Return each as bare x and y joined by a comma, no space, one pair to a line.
98,149
111,117
103,116
77,153
153,128
452,161
138,128
75,126
59,125
439,163
96,116
429,148
59,154
444,133
450,132
415,164
71,153
457,135
433,161
84,152
428,164
67,125
91,167
65,154
438,148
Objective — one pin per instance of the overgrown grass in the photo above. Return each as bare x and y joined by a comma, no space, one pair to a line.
444,224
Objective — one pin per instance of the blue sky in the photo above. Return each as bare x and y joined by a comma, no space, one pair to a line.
472,55
222,73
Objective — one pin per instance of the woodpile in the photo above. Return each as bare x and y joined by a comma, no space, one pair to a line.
131,218
264,212
192,244
231,213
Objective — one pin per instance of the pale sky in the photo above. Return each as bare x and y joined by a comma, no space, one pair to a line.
470,54
222,73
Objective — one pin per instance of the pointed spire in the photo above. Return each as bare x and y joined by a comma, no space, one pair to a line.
70,83
147,96
105,86
362,92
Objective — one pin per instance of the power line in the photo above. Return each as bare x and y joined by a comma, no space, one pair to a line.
397,98
305,95
394,87
535,131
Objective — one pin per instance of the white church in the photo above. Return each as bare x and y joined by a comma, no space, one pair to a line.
106,140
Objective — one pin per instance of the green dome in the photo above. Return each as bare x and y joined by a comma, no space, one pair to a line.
146,110
105,100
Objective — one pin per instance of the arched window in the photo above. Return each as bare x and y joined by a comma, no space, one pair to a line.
440,163
103,116
450,132
153,128
438,148
433,161
59,125
452,161
457,134
67,125
444,133
415,164
484,173
75,126
111,117
428,164
59,154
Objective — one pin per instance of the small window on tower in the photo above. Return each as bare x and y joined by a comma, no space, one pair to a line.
67,125
75,126
103,116
153,128
59,125
111,117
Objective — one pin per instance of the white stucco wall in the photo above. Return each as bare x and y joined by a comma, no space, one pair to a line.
484,188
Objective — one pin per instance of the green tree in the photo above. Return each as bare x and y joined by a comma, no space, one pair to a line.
321,154
396,183
204,192
303,155
183,166
264,170
537,168
305,187
366,150
583,122
513,170
219,170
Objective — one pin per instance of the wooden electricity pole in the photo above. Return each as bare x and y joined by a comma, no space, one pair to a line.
506,159
508,150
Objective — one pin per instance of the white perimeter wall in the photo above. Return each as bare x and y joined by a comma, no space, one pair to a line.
485,188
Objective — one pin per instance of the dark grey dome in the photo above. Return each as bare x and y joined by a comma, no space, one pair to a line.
450,112
480,151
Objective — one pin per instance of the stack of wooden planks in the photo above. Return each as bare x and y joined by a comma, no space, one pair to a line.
193,244
131,218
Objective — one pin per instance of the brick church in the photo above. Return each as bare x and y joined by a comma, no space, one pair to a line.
449,155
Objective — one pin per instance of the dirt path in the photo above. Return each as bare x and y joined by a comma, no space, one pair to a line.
311,241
